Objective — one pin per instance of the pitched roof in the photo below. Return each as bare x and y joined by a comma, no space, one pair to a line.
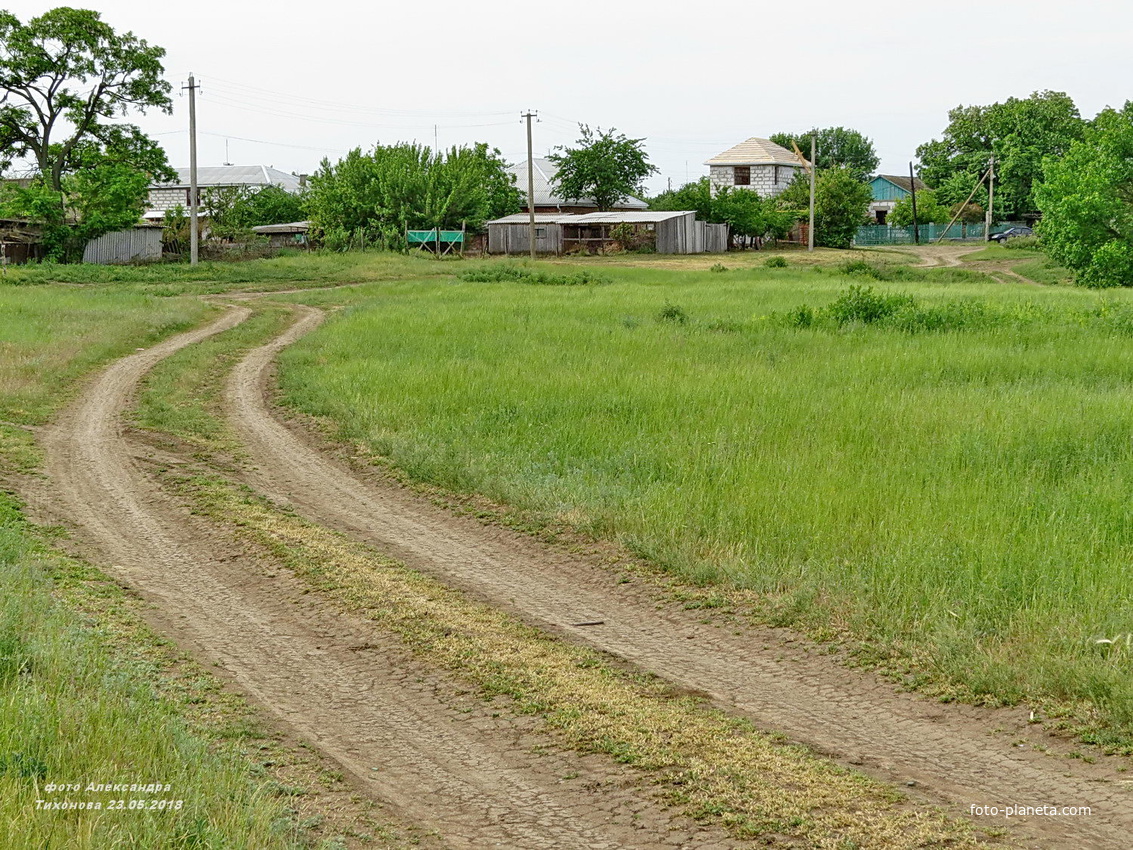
611,217
237,175
755,152
903,182
543,175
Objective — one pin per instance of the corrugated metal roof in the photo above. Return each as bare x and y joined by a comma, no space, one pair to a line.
755,152
611,217
629,217
290,227
540,218
236,175
543,175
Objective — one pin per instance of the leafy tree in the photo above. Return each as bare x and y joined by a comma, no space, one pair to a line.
234,211
840,203
1019,132
929,210
604,166
1086,200
392,188
695,196
747,214
63,76
837,147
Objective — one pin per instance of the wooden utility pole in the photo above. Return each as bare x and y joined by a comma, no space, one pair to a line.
913,191
530,185
813,169
990,198
194,212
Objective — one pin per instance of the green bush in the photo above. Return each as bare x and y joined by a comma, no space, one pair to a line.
1026,242
862,304
504,273
775,263
672,313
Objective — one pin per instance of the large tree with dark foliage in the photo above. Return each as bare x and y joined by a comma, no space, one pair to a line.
65,77
1086,199
1019,132
837,147
605,165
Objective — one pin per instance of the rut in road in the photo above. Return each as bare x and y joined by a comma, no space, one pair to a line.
955,756
334,679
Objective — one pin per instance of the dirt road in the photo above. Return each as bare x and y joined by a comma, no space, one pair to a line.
401,731
952,755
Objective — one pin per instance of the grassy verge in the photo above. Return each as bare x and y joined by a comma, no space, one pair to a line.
1045,271
282,272
88,695
948,489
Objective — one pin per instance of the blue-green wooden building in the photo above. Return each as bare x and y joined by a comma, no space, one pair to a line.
887,190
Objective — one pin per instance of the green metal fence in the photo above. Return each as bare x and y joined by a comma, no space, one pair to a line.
884,234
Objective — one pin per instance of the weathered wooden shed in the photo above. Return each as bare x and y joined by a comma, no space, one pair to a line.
290,235
667,232
510,234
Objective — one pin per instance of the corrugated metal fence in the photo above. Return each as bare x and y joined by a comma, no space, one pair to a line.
124,246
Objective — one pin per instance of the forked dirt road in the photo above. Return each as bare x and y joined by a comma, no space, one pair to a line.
335,680
382,718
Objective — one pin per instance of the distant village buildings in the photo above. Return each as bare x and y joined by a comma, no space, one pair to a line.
757,165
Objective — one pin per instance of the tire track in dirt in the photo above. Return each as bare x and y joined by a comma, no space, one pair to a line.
334,679
956,756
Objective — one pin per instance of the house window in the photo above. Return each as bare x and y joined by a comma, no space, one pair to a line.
540,232
776,175
742,175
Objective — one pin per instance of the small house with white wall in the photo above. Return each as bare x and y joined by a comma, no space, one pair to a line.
168,196
759,165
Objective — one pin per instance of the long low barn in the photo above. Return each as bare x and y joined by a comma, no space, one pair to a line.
667,232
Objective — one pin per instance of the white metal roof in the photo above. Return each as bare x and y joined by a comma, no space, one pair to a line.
236,175
290,227
543,174
629,216
611,217
756,152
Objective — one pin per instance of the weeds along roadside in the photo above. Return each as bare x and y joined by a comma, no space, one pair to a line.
965,534
89,695
715,768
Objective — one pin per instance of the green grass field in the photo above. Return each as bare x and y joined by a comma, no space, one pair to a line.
948,484
85,689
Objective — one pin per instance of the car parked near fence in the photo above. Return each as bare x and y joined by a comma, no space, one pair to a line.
1010,233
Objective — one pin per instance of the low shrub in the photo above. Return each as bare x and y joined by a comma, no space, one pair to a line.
775,262
863,304
504,273
672,313
718,268
1030,243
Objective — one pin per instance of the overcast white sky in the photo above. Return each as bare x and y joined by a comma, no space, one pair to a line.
287,83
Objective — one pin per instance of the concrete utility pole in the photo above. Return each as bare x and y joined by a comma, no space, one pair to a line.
530,184
813,169
194,236
990,198
913,192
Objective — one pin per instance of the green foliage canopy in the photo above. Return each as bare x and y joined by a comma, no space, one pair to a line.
929,210
840,203
393,188
234,211
606,166
1019,132
746,213
1086,200
836,147
63,76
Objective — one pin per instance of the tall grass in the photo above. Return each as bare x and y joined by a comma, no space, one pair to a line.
957,498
